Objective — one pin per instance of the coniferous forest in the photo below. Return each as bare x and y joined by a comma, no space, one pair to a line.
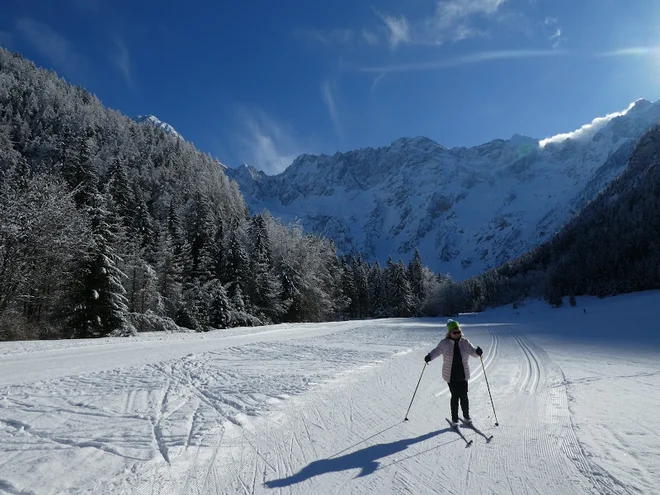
110,227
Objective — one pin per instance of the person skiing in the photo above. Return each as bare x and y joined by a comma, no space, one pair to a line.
455,350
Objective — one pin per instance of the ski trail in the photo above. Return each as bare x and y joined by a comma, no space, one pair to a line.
324,414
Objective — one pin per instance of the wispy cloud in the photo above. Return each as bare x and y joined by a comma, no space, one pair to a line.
452,20
556,35
264,143
633,51
122,60
398,29
370,37
473,58
587,130
55,47
329,100
556,38
377,80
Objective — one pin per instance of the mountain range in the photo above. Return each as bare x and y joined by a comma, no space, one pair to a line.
465,209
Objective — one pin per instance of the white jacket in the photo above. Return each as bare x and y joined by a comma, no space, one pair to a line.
446,348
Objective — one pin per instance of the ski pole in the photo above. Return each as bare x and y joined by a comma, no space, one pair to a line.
491,397
415,392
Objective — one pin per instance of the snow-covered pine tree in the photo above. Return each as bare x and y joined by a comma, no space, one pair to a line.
377,294
264,286
361,283
100,305
348,288
399,293
170,275
237,265
417,286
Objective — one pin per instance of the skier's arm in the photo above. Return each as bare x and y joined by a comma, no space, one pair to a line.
472,350
435,352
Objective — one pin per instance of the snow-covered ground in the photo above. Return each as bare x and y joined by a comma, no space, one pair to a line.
319,408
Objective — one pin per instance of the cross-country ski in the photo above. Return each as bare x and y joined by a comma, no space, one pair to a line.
454,426
471,426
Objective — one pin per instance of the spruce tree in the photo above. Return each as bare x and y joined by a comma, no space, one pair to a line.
416,279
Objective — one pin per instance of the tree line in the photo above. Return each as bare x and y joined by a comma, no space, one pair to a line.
108,227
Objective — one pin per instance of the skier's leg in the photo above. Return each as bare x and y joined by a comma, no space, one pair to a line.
453,402
465,402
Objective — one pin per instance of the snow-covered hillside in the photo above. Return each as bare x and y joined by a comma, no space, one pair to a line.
156,122
466,209
319,408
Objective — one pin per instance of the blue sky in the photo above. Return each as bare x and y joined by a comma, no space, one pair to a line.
262,81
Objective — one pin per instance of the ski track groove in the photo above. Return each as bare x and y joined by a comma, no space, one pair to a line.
309,436
601,480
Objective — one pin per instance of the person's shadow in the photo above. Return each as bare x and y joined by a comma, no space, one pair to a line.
366,459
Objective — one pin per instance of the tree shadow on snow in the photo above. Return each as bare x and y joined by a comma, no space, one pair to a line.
365,459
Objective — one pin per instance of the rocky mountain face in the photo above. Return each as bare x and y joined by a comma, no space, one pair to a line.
465,209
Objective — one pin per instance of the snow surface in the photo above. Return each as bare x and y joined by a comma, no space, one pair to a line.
319,408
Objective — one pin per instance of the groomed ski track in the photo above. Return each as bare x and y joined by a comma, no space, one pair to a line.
320,408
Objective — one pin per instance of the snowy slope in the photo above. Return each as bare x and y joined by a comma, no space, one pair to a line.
156,122
319,408
465,209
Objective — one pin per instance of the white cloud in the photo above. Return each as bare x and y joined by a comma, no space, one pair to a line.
586,130
556,35
556,38
474,58
398,29
453,20
122,60
633,51
461,9
328,98
55,47
265,143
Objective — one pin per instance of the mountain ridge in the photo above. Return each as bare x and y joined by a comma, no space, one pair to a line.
466,209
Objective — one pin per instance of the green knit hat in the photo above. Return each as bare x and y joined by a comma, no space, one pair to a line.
452,325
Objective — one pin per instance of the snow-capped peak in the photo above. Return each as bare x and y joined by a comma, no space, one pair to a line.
465,209
155,121
587,131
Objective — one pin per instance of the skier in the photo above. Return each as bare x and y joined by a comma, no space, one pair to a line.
455,350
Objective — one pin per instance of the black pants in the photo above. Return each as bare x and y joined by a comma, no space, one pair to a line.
459,392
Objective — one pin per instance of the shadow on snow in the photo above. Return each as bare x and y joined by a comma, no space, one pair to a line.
364,459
